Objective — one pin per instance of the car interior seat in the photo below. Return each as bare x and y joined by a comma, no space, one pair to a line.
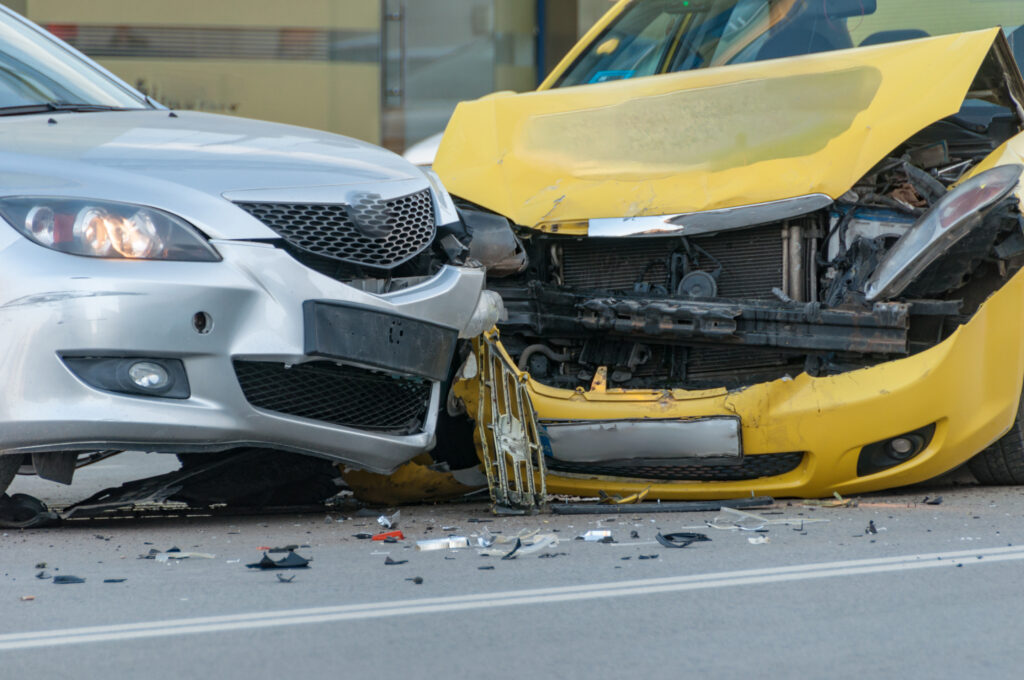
883,37
817,26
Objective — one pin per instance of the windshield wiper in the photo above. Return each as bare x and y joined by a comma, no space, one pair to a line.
50,107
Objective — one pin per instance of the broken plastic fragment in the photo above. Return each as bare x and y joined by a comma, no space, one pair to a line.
27,598
487,568
290,561
932,501
511,555
758,540
595,535
43,575
680,539
285,579
389,522
871,527
449,543
391,536
114,580
362,535
389,562
648,557
418,580
67,578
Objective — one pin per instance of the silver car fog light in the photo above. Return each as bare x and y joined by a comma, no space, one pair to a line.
148,376
489,310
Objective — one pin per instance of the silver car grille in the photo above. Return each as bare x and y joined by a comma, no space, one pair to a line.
371,231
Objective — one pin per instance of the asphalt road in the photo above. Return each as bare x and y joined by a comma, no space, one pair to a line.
935,593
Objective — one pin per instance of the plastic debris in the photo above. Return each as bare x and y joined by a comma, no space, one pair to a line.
741,520
43,575
449,543
114,580
526,542
168,556
595,535
871,527
27,598
41,565
680,539
487,568
285,579
634,534
65,579
418,580
362,535
839,502
647,557
549,555
758,540
390,562
650,508
932,501
511,555
22,511
391,536
292,560
389,522
619,500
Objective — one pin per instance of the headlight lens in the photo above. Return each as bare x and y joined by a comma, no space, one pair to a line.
106,229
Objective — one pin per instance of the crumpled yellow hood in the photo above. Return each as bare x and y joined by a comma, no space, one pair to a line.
703,140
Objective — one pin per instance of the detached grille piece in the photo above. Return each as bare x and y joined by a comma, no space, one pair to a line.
752,467
340,395
371,232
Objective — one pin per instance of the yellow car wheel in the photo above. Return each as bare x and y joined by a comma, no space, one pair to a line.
1003,462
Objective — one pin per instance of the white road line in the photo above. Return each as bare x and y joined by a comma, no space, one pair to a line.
373,610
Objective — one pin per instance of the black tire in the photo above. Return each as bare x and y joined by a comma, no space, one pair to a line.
1003,462
8,469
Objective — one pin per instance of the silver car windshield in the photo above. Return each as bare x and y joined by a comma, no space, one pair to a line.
39,74
662,36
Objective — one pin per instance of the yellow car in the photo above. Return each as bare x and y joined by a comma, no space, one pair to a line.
766,246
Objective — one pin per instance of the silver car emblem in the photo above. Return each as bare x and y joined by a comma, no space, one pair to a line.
370,214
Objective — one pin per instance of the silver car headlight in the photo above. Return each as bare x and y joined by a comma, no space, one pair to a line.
106,229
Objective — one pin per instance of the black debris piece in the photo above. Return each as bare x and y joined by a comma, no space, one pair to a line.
390,539
22,511
173,549
287,548
114,580
362,535
491,566
648,557
932,501
649,508
448,558
474,520
41,565
551,554
285,579
680,539
290,561
625,558
43,575
634,534
416,579
389,562
511,555
64,579
607,539
871,527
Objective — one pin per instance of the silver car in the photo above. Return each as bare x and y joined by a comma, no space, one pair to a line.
184,282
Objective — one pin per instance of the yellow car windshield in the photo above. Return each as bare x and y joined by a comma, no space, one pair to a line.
649,37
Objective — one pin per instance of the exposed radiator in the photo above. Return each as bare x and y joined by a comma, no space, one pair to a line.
751,261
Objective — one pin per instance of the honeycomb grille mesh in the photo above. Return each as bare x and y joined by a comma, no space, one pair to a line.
371,231
752,467
341,395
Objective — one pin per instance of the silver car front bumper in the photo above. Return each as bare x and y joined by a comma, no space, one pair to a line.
54,305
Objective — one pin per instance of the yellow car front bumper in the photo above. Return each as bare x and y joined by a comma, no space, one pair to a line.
968,386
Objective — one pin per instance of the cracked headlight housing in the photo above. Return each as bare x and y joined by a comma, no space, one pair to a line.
106,229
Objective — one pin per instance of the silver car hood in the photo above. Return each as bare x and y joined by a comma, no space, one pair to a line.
191,164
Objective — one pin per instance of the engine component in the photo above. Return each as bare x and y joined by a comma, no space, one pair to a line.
698,285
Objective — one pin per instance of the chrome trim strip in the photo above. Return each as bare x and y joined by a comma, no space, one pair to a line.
691,224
